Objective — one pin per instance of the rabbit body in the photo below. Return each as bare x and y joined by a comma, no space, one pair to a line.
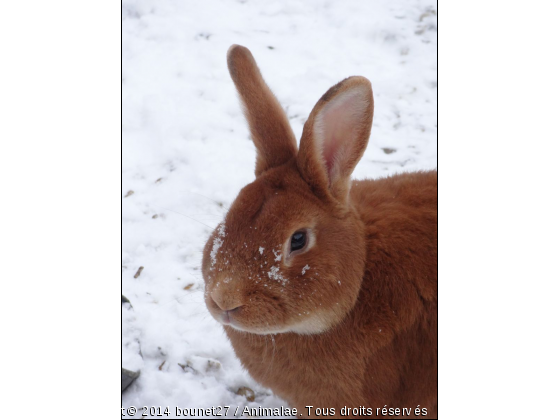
385,351
349,319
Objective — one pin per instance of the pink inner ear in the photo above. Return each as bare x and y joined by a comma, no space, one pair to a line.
337,123
330,147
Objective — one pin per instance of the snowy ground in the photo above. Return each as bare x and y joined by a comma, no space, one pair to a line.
187,153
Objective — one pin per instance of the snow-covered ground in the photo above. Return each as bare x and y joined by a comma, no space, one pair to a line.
187,153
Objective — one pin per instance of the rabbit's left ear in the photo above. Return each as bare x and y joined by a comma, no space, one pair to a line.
335,137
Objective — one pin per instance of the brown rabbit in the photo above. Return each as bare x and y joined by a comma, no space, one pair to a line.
327,287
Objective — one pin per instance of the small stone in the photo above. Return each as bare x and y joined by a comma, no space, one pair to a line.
128,194
138,272
213,365
127,377
246,392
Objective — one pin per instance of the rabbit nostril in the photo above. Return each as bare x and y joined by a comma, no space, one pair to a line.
215,302
226,302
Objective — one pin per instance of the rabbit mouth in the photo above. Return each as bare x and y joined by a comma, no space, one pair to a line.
230,318
313,324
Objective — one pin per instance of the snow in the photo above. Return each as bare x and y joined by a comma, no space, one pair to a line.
217,244
130,342
274,274
277,255
187,153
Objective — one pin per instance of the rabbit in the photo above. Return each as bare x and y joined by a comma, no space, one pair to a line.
327,287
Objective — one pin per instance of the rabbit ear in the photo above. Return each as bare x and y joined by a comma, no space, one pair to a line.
335,137
269,126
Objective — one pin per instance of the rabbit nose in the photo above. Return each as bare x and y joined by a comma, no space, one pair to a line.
225,301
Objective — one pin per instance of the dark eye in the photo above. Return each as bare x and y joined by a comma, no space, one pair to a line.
299,239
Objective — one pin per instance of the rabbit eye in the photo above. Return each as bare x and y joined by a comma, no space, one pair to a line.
299,240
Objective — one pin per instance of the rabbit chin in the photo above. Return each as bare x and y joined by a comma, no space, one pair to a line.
314,324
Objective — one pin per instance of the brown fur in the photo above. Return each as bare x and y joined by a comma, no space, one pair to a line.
352,321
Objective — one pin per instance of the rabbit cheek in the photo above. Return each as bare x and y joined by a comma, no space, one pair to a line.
262,314
317,316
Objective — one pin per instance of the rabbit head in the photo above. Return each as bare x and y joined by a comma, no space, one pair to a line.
291,253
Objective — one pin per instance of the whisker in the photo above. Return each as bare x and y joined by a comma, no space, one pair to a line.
179,299
220,204
207,214
208,198
193,276
209,227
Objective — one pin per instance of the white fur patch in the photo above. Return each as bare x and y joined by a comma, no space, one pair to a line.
218,242
314,324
